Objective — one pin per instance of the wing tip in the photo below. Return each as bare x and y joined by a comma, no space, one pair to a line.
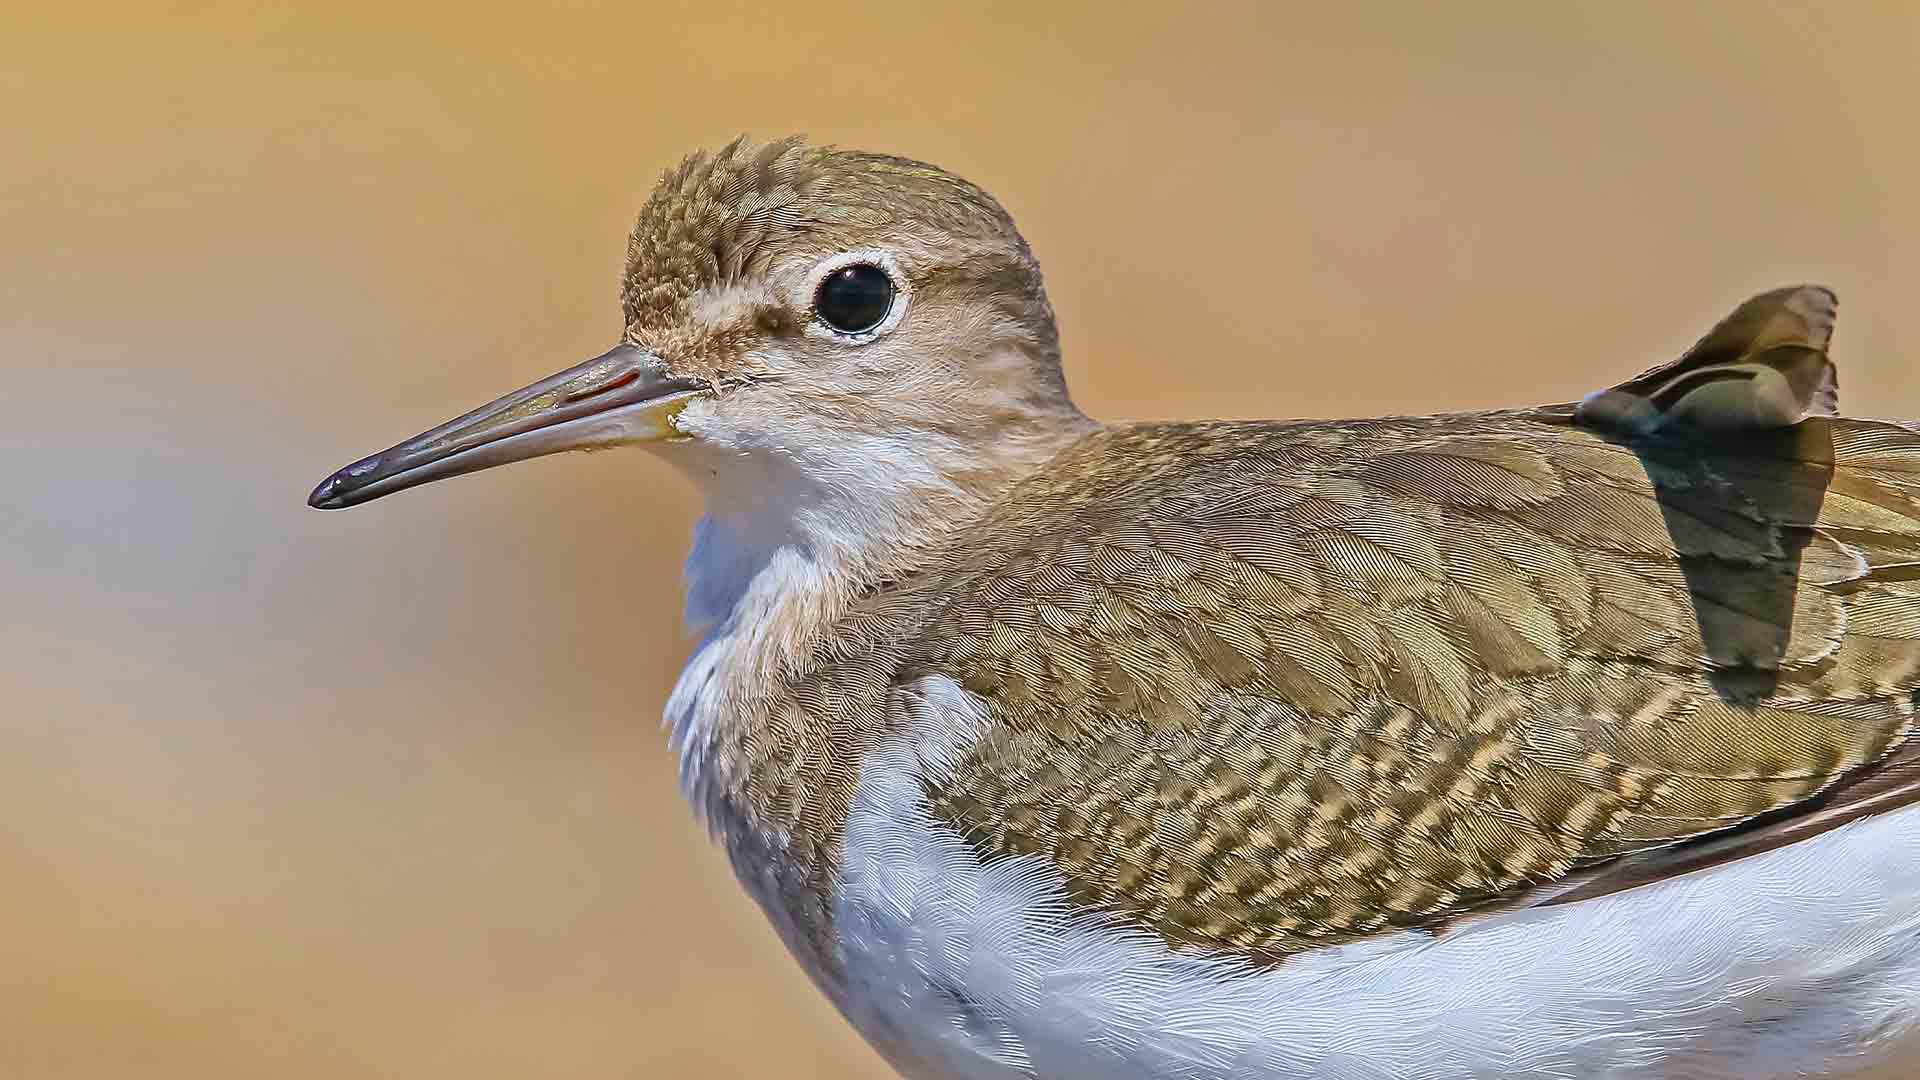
1763,366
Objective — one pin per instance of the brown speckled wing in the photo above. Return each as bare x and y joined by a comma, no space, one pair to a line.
1260,687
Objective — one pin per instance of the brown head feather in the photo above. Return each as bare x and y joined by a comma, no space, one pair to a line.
724,216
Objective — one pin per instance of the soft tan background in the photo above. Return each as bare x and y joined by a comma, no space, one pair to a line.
382,794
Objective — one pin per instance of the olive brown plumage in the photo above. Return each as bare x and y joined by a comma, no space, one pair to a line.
1246,688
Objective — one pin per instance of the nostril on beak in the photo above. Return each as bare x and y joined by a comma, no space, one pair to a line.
615,383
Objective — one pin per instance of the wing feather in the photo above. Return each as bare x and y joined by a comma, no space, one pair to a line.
1259,687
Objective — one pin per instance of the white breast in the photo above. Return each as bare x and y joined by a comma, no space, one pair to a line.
1804,961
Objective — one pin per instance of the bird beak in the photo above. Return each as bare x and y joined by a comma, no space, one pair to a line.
624,395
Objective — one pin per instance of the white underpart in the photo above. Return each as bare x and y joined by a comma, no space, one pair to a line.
1804,961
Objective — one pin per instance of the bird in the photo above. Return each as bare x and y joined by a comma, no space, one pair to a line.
1534,743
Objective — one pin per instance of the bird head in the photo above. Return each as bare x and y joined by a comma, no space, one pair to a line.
804,318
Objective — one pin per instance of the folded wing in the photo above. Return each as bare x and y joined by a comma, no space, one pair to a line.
1262,687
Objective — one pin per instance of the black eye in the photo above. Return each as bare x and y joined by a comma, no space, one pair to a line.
854,299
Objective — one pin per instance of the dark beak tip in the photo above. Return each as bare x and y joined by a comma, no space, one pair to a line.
327,496
337,492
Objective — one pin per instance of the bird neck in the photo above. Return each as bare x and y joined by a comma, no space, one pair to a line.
789,548
784,552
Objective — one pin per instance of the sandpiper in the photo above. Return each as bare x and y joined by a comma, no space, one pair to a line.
1570,741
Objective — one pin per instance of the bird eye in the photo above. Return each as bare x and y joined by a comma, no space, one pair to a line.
854,299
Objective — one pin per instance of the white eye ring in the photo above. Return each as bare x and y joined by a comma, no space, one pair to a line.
902,293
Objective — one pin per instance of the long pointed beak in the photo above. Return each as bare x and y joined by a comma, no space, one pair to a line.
624,395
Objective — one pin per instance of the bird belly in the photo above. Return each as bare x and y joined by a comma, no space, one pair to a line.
1803,961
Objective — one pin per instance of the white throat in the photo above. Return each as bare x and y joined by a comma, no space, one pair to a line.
776,560
801,523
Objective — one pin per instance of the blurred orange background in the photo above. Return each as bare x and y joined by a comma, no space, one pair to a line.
383,794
